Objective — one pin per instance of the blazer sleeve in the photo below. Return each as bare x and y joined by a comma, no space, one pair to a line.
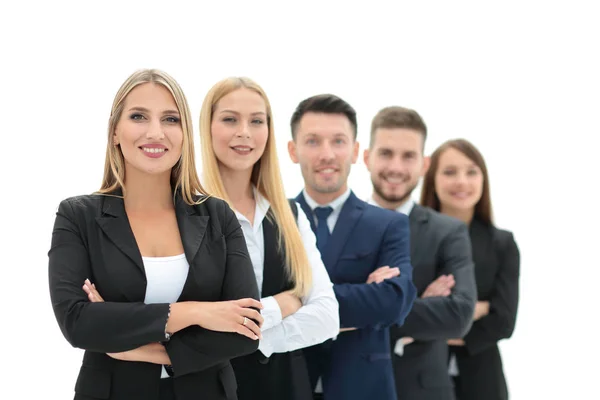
377,305
102,327
194,349
435,318
500,322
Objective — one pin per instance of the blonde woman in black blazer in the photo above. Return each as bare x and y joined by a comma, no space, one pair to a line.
151,276
457,184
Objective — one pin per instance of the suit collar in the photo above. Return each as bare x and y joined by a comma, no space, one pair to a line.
350,213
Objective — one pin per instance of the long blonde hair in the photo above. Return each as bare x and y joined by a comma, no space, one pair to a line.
266,176
183,175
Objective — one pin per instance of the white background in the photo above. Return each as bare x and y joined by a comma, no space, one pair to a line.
520,81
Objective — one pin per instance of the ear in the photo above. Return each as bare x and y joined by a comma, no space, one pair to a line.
115,139
426,165
366,157
292,151
355,152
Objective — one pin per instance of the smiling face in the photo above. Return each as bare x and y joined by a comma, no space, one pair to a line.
396,163
458,181
239,130
325,148
149,130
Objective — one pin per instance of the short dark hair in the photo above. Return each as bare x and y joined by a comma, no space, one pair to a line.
398,117
323,103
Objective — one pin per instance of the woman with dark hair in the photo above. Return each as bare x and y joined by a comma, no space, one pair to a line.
457,184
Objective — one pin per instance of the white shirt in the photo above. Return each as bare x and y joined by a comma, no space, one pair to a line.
318,318
165,277
336,204
405,208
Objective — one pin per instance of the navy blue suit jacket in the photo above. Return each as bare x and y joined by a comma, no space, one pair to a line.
357,365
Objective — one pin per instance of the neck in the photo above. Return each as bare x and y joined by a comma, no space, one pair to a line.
390,205
238,185
147,192
465,216
325,198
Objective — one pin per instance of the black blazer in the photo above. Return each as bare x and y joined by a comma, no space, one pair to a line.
92,239
440,245
497,265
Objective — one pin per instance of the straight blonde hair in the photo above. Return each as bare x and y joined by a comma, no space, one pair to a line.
183,175
266,176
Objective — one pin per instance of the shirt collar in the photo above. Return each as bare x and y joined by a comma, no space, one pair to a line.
336,204
405,208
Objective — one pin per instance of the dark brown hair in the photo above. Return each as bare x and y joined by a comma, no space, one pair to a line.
398,117
429,198
323,103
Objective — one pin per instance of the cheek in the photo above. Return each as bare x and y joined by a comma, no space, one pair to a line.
261,138
220,138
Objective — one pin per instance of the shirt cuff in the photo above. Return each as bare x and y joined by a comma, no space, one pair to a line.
270,312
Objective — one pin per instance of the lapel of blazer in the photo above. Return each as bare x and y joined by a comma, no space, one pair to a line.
417,219
349,216
192,228
115,224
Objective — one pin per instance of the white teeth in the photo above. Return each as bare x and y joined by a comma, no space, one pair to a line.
328,170
152,150
246,149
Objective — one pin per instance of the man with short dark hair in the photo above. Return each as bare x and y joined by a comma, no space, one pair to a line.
364,248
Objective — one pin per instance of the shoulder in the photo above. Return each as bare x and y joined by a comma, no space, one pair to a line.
381,216
213,207
503,237
442,222
82,205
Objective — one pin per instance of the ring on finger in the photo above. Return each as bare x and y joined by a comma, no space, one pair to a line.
245,321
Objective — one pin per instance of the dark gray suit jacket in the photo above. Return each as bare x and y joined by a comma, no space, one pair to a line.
440,245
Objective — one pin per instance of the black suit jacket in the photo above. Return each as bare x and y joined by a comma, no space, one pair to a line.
497,265
440,245
92,239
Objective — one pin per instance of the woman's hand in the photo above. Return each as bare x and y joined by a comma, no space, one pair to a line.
288,303
90,289
482,308
232,316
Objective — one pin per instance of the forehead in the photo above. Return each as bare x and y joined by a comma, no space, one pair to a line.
325,125
151,96
454,158
398,139
242,99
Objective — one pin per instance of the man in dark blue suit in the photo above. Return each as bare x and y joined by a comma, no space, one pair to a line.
364,248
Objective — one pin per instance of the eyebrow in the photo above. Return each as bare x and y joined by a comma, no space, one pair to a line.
143,109
237,113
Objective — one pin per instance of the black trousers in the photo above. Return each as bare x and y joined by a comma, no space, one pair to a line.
167,390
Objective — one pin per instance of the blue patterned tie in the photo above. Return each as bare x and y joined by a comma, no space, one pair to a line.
322,229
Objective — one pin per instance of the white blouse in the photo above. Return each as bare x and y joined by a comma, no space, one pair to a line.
318,318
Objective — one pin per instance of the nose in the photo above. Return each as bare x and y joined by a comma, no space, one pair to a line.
244,131
396,165
155,130
326,153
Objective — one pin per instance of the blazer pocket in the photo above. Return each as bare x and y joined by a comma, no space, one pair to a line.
93,382
229,382
356,256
